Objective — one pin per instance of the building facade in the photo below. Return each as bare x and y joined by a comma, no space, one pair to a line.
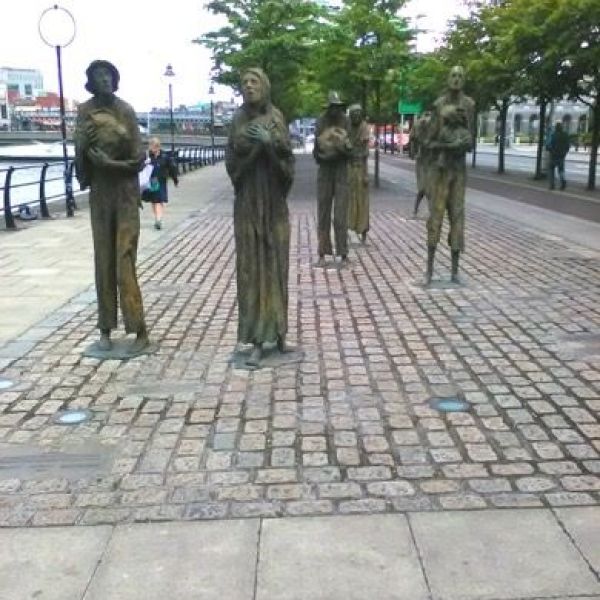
25,83
522,122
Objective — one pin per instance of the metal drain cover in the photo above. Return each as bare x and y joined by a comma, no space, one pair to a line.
5,384
72,417
449,404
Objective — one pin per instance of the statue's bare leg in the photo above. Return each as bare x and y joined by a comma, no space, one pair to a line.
104,343
455,259
255,356
430,259
141,341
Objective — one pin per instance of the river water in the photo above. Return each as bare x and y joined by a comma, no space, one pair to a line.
25,181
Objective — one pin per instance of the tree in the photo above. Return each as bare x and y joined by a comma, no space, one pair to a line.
578,26
277,35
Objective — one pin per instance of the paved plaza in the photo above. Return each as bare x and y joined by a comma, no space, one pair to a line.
344,446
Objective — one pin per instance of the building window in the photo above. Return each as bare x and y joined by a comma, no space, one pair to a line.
28,89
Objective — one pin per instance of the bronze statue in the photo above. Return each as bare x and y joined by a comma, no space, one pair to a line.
332,151
450,138
108,156
421,154
260,164
358,176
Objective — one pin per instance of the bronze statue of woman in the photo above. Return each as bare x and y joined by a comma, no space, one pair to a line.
260,164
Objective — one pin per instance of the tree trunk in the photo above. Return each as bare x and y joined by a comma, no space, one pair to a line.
378,117
541,134
475,138
594,149
502,140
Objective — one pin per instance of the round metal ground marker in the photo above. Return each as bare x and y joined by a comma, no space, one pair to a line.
72,417
5,384
449,404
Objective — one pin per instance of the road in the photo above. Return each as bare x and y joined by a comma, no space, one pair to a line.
523,161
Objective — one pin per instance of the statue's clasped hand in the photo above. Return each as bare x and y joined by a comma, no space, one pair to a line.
98,157
259,134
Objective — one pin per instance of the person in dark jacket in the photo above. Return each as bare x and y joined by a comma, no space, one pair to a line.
558,146
164,167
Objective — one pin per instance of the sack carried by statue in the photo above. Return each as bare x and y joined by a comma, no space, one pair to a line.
111,135
333,143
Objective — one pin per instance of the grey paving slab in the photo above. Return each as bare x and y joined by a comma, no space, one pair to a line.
499,555
199,561
583,525
49,564
339,558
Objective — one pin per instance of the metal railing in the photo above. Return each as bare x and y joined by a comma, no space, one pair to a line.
36,184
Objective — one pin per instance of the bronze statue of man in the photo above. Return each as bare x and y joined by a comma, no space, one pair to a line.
260,164
332,152
450,137
421,154
358,176
108,156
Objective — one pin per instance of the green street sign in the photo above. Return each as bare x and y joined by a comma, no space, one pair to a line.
409,108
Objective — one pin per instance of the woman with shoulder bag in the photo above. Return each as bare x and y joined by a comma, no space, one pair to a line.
163,167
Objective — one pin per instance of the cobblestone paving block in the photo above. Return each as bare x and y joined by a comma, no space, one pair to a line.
350,427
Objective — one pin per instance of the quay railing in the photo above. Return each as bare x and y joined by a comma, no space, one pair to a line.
34,184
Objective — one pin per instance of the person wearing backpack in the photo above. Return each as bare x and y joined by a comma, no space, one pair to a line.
558,146
163,167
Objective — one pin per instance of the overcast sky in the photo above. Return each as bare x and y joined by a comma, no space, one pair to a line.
141,38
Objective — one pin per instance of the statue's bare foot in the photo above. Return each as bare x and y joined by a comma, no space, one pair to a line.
321,261
281,345
255,356
141,342
104,342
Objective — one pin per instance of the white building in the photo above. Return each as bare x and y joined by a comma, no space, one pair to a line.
28,83
522,120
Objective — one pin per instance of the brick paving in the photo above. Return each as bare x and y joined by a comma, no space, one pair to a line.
184,434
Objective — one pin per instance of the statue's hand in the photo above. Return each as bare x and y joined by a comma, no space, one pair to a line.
91,134
98,157
259,134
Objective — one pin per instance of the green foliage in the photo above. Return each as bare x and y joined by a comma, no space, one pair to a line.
276,35
306,50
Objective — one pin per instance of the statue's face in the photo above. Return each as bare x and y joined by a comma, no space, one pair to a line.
456,79
355,117
102,80
252,88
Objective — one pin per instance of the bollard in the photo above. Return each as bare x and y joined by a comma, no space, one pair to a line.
43,206
8,216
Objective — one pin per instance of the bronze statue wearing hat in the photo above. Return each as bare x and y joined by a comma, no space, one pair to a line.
332,151
108,156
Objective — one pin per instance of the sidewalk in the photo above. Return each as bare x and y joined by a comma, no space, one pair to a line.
332,478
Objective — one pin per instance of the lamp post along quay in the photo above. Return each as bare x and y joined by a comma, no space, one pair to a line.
211,93
56,27
169,74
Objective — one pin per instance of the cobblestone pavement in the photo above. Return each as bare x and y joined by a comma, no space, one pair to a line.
184,434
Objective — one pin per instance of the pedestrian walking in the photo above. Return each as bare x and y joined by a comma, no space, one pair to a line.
163,168
332,152
558,146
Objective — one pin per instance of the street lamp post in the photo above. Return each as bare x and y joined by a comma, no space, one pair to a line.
211,92
56,27
170,73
